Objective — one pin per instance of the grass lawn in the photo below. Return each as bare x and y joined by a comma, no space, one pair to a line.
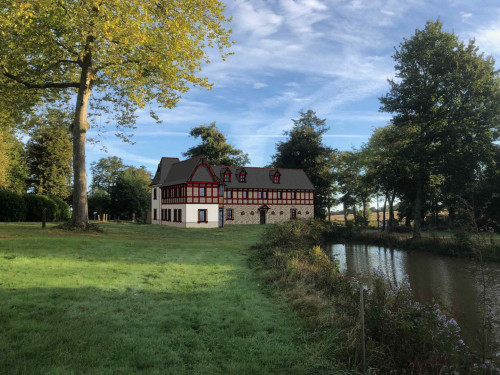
143,299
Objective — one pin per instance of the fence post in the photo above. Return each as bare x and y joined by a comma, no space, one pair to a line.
362,316
44,217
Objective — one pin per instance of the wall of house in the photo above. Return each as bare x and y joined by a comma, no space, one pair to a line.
156,204
302,197
249,214
189,215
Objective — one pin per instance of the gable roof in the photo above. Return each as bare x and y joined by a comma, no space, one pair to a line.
163,169
262,178
181,172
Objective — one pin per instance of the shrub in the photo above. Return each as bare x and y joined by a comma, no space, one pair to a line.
63,212
35,204
12,206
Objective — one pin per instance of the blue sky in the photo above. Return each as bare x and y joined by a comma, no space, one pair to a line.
333,57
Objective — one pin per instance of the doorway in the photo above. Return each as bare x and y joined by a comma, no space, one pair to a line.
262,216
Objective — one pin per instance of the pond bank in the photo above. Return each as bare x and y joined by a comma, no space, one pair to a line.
460,244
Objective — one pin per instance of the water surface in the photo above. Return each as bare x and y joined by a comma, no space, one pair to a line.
454,282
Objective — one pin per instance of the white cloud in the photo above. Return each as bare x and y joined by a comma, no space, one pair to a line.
259,85
465,16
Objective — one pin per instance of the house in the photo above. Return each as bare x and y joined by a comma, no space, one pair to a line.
191,194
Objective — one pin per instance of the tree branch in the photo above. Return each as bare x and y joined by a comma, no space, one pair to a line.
47,85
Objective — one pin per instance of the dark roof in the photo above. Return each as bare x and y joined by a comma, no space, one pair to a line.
263,178
163,169
181,172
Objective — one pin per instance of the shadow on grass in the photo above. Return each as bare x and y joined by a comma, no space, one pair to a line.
87,330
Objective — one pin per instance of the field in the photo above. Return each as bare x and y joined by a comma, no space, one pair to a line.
142,299
372,218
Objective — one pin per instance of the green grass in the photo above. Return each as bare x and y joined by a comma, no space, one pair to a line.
143,299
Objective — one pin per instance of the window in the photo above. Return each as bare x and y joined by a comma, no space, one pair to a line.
243,177
179,216
221,191
276,179
229,194
293,213
175,215
245,194
169,215
154,214
229,214
259,195
202,216
202,191
227,177
280,196
154,194
162,214
294,195
264,194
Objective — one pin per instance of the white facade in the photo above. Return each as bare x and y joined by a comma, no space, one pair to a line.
189,215
155,205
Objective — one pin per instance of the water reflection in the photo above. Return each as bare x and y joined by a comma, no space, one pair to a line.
456,283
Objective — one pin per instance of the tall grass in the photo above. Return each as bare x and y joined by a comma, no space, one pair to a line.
403,336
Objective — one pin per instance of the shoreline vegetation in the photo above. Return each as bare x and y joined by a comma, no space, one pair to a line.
402,335
459,243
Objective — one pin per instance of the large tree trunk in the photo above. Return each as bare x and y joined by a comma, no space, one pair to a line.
418,207
355,213
80,127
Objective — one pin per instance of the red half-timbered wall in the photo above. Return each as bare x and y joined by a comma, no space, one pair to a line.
303,197
211,192
175,194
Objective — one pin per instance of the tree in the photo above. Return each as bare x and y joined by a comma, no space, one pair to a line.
446,102
105,172
213,145
304,149
131,194
114,55
49,156
13,168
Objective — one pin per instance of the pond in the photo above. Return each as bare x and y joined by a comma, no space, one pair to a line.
456,283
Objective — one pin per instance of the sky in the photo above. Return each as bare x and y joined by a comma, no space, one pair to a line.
333,57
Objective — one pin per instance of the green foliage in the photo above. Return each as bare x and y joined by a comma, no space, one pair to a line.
131,193
446,104
100,202
49,154
104,173
13,168
304,149
213,145
35,204
63,212
401,334
13,206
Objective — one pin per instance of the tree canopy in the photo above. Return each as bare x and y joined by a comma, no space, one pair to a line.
115,55
105,172
215,147
446,105
304,149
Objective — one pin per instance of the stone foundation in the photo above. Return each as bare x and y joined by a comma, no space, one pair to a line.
250,214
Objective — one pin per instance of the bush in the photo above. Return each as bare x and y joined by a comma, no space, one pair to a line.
63,212
35,204
12,206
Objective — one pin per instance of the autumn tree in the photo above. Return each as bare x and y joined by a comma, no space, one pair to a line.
215,147
446,100
110,56
304,149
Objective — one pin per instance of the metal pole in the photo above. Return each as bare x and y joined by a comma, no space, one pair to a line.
362,315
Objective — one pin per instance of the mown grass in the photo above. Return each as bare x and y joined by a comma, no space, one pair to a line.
143,299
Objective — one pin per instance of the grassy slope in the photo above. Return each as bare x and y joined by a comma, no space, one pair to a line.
141,299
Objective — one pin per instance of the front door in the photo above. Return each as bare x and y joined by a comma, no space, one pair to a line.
221,217
262,216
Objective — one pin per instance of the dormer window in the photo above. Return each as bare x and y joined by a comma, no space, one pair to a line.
276,179
242,177
274,176
227,177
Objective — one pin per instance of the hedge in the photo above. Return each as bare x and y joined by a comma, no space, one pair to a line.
29,207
